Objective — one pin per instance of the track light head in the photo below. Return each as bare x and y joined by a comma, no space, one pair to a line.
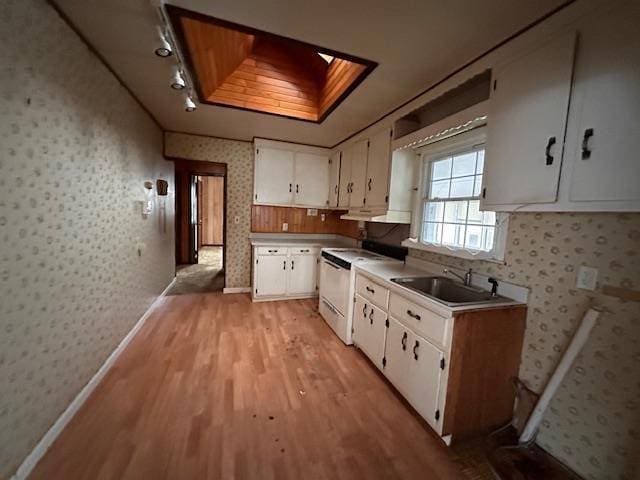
164,47
177,80
189,105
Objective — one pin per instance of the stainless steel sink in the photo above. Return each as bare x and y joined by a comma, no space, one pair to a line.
447,291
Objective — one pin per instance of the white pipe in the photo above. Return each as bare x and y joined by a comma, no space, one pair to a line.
576,344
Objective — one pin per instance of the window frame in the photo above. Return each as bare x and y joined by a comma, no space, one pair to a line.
427,154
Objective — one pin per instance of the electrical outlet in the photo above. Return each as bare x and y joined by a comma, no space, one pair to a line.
285,227
236,219
587,278
323,217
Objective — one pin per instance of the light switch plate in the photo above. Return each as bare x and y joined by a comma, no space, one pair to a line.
587,278
285,227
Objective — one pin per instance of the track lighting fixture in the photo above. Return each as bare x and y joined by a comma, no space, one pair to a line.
189,106
164,47
177,81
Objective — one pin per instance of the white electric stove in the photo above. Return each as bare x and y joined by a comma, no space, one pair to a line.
337,286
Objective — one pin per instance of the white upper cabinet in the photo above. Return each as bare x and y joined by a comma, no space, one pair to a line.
311,180
334,179
378,163
605,133
273,176
288,174
527,123
358,153
344,194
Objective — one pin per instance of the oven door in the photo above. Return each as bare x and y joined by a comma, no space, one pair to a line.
334,285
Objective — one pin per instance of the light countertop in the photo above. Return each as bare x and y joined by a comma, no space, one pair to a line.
296,240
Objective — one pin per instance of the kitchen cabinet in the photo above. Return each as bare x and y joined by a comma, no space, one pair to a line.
358,175
606,121
334,179
526,126
378,164
369,329
281,272
344,194
290,175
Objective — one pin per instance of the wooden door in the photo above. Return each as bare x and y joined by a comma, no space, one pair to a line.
311,187
423,378
358,173
334,180
526,126
212,210
271,275
344,192
606,133
273,180
302,275
378,164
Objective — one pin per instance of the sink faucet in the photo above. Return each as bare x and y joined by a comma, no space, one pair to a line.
466,280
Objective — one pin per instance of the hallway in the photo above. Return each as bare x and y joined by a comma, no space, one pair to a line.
205,276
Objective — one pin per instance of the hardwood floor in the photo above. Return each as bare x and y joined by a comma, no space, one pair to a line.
215,387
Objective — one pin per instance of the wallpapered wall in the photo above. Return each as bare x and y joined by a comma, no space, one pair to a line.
75,150
239,159
593,424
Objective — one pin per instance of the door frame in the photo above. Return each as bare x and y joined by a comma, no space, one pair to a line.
183,170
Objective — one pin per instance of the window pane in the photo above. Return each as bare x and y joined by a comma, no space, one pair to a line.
475,215
478,186
432,232
474,237
455,212
453,235
489,218
441,169
487,240
480,163
464,164
439,189
462,187
433,211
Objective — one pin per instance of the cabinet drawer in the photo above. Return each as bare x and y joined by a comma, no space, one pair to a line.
372,291
271,250
304,250
423,321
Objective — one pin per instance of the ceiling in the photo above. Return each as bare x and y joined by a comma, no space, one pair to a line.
414,42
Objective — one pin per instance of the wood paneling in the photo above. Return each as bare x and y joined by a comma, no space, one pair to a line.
212,207
241,67
485,355
216,387
269,219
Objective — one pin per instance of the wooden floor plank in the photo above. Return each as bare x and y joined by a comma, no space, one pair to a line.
216,387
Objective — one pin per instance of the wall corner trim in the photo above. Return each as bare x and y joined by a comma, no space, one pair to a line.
45,442
236,290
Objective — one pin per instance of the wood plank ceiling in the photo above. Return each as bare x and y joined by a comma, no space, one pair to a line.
240,67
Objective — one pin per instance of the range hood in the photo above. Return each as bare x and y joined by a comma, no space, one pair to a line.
401,190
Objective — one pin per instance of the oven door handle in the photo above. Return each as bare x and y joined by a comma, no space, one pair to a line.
330,307
331,264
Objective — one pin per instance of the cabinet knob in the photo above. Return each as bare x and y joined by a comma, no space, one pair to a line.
364,311
284,265
586,151
371,317
292,264
403,342
415,350
290,187
370,184
550,143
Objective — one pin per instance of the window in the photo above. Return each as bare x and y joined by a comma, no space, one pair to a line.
448,217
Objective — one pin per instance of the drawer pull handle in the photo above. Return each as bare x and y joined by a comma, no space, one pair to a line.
547,152
272,251
305,250
364,311
284,265
370,290
403,342
413,315
415,347
371,317
292,264
586,151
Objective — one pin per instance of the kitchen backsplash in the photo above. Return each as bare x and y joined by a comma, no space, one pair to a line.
269,219
593,423
75,151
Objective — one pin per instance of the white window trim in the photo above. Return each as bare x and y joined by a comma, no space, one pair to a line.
432,152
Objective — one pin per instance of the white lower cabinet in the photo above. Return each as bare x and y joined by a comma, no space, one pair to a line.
284,272
369,325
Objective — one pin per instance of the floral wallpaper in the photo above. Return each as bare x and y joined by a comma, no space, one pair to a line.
593,423
239,159
75,150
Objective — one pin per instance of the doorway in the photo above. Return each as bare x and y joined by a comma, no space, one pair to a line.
200,227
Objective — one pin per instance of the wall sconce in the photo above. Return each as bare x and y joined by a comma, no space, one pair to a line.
147,204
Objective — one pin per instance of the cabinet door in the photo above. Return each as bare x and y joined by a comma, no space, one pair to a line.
358,173
273,179
334,180
424,378
344,193
378,164
607,95
311,186
302,275
396,354
526,125
271,275
369,329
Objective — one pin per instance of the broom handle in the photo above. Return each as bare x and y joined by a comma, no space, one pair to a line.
576,344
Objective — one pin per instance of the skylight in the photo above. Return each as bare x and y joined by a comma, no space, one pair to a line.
326,58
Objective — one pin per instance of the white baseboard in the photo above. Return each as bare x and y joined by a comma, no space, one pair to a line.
236,290
45,442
